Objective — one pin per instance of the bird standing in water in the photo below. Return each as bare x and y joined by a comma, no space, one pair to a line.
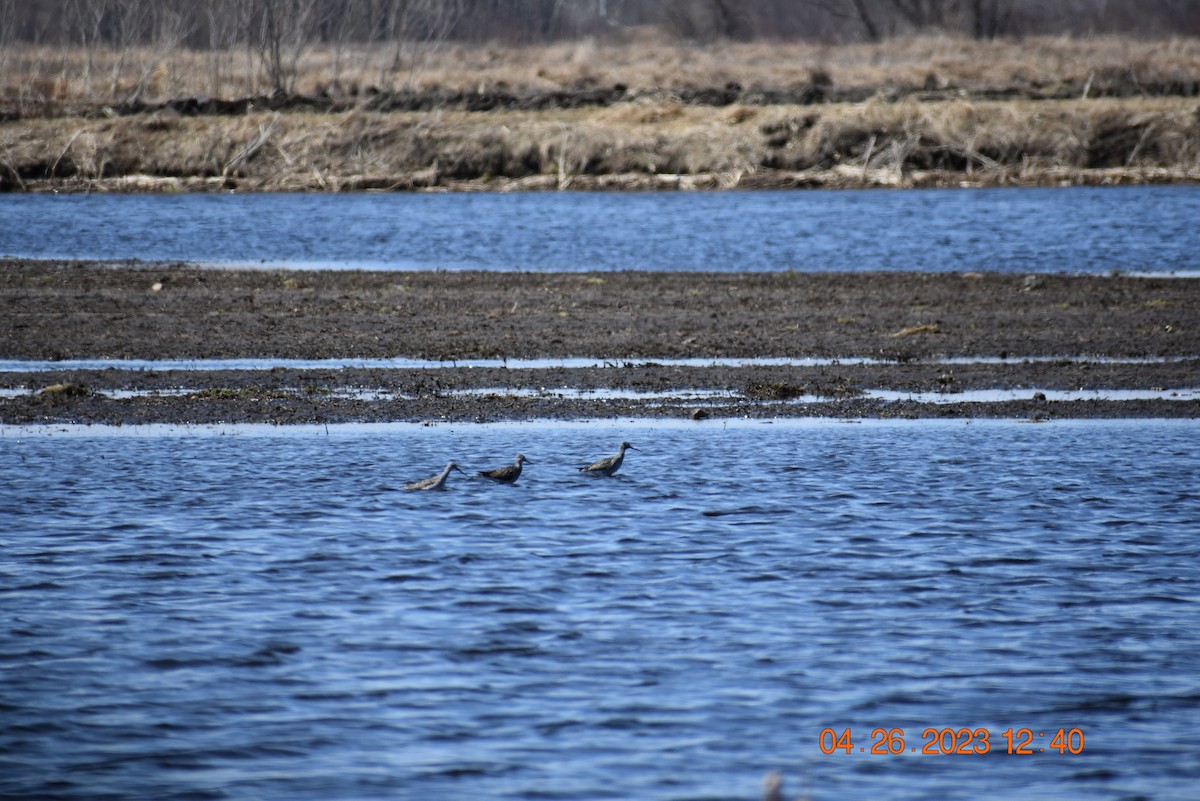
609,464
508,474
437,482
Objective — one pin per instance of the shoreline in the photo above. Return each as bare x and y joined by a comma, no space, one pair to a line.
842,177
1098,331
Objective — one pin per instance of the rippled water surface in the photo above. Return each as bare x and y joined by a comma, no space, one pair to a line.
251,612
1081,229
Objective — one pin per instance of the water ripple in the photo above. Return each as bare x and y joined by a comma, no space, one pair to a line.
255,632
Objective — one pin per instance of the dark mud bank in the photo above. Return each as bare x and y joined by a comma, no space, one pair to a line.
922,333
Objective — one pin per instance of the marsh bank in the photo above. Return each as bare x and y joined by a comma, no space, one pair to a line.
913,332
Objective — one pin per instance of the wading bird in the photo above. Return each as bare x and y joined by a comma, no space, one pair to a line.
508,474
437,482
609,464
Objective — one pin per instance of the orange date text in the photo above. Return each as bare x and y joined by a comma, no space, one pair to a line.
950,740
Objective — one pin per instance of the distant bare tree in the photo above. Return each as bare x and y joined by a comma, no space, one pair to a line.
220,26
8,22
1180,16
274,33
863,13
8,34
705,20
414,26
335,25
279,32
126,22
86,24
990,18
857,15
923,14
170,30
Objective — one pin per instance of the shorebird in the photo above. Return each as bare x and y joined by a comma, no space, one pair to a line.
609,464
507,474
437,482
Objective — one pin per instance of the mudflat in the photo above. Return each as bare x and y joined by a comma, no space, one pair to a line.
866,336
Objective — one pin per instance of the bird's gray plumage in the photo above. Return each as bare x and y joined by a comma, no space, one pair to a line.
507,474
609,464
437,482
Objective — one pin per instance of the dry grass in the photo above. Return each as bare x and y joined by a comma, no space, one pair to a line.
39,80
639,145
64,393
929,111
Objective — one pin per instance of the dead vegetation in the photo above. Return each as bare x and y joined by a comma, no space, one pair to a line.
782,390
64,392
644,144
914,112
254,393
45,81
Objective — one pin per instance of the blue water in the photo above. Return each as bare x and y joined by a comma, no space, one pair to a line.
256,612
1087,230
